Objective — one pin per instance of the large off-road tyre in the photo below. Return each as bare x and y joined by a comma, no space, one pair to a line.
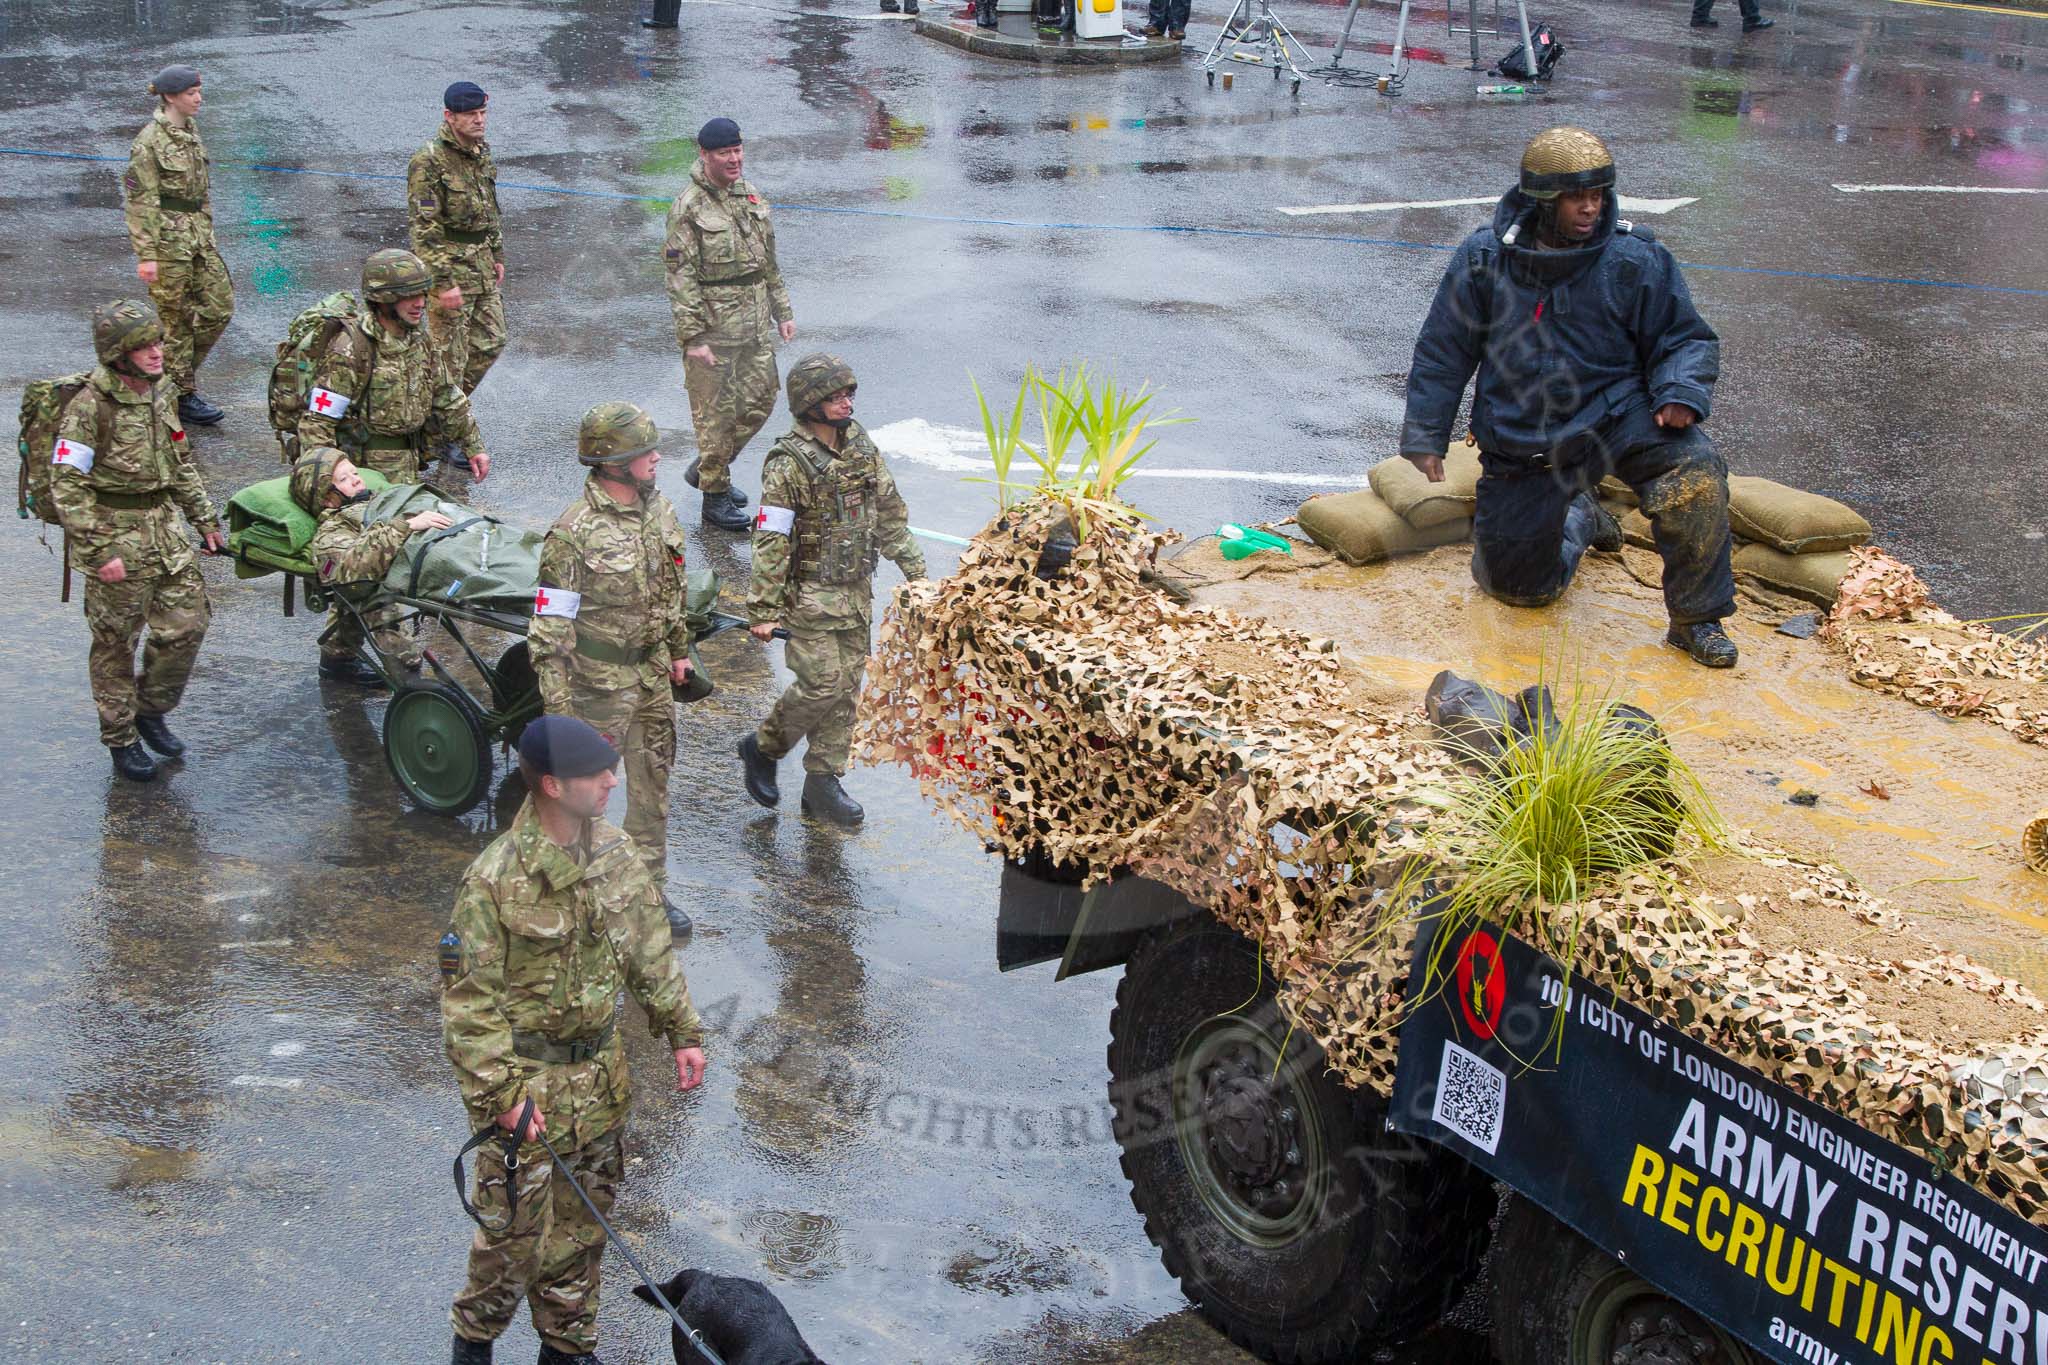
1276,1195
1560,1300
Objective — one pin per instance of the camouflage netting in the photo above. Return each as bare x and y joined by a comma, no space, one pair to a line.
1097,720
1897,640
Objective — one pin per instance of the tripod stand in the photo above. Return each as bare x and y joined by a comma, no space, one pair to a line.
1391,81
1257,39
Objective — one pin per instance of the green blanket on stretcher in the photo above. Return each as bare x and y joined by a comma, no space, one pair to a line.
268,532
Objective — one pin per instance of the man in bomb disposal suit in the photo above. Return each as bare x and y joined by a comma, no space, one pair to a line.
168,193
726,291
452,188
1592,361
379,387
610,635
122,473
828,505
554,919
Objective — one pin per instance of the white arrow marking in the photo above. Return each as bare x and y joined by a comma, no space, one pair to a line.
1628,205
960,450
1938,189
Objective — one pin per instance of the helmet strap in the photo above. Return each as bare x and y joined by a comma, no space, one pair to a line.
389,313
619,474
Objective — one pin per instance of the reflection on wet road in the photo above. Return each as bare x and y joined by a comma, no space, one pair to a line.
227,1116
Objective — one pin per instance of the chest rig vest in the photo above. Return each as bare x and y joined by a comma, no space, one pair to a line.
835,529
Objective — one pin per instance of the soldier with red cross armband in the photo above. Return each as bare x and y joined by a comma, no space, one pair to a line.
610,636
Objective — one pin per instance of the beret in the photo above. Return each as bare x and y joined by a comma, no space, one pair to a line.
174,80
565,747
720,132
463,97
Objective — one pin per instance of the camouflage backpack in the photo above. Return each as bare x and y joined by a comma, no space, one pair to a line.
291,378
42,407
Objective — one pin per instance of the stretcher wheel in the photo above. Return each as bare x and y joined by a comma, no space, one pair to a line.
434,741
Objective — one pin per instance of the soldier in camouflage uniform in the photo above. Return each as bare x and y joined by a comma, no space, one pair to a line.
554,919
451,186
610,636
379,387
828,505
326,483
122,473
170,225
726,291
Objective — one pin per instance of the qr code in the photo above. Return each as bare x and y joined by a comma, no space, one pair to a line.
1471,1098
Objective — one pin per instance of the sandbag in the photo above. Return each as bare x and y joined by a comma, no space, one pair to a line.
1425,505
1612,488
1635,528
1792,519
1809,577
1360,529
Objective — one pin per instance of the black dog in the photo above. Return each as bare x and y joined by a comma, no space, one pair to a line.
744,1322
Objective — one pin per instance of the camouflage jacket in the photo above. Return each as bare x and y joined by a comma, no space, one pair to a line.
546,938
824,518
167,161
384,385
117,446
723,282
349,552
611,583
452,191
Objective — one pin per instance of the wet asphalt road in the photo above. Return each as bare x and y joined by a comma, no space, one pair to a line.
226,1119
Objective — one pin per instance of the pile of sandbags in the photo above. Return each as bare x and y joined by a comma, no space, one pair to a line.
1785,538
1402,513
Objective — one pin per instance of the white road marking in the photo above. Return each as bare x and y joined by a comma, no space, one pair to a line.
287,1049
1940,189
256,943
952,449
1629,204
270,1082
238,894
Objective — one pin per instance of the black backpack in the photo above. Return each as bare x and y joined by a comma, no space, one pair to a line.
1515,66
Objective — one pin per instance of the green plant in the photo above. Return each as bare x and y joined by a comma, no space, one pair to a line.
1104,419
1004,437
1524,834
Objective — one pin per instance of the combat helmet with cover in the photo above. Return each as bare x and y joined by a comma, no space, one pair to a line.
1565,158
393,274
123,326
615,432
814,379
313,475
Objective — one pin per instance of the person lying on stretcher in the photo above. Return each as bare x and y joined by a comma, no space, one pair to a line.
325,483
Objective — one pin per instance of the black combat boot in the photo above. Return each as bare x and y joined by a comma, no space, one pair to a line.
158,736
826,799
760,773
679,926
550,1356
722,511
910,6
666,14
690,470
351,670
469,1352
984,13
891,7
195,411
133,762
1708,644
1606,530
1756,25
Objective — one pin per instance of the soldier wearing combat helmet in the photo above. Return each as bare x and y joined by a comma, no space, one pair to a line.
168,195
725,289
610,637
1592,361
379,387
554,920
122,474
828,508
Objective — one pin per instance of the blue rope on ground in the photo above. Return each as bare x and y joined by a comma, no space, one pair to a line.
1822,276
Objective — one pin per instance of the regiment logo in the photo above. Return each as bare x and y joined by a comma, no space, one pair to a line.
1480,983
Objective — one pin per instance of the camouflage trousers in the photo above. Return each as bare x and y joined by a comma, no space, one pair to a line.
551,1253
818,706
729,403
194,298
471,337
641,724
174,608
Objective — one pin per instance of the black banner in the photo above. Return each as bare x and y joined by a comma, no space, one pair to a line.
1810,1239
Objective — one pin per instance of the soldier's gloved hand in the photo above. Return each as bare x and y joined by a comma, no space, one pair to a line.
1676,416
509,1121
764,631
679,671
1432,466
701,354
113,571
146,271
480,466
689,1067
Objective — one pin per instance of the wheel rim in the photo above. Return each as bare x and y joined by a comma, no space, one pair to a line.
1625,1320
1252,1141
433,749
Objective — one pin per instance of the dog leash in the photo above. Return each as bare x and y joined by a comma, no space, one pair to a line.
510,1139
